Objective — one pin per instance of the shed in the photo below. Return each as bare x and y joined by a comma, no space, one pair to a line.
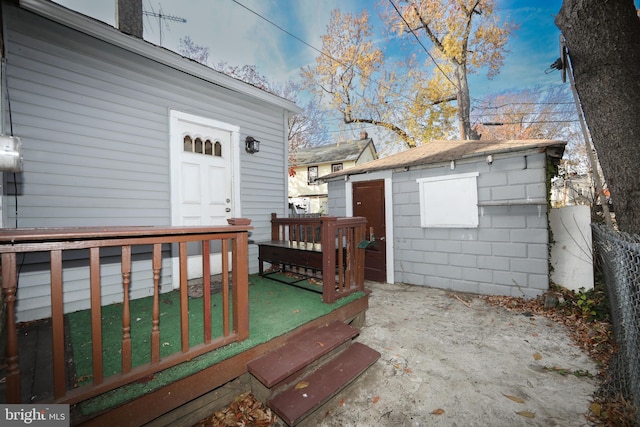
116,131
468,216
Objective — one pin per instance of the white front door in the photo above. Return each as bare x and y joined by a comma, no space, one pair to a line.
203,159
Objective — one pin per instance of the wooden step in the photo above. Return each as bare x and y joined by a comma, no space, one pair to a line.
300,351
296,402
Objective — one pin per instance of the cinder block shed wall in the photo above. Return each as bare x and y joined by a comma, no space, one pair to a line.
507,254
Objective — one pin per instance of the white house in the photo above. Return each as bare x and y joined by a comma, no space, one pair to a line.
118,131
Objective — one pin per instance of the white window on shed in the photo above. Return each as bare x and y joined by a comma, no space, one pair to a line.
449,201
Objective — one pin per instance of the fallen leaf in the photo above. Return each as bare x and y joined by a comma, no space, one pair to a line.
397,366
438,411
537,356
527,414
341,402
376,399
296,311
596,408
319,343
408,370
534,334
514,398
302,384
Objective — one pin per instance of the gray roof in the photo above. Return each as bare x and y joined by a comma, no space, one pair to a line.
444,151
333,153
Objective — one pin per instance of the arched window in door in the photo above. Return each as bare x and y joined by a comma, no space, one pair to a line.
198,146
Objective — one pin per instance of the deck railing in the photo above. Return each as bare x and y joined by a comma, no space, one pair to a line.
342,258
234,312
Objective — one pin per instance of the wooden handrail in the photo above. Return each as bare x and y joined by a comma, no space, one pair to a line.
342,259
57,240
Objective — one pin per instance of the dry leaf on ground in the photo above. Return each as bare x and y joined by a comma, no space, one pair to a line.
514,398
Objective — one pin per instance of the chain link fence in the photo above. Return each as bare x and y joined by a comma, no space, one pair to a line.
619,257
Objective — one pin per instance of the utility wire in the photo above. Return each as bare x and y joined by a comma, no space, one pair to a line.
321,52
285,31
421,44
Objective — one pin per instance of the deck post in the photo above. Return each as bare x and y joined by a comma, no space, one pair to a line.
275,228
240,278
328,258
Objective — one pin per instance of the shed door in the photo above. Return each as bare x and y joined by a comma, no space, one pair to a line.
368,201
202,185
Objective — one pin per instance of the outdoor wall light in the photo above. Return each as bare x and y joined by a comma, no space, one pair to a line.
251,145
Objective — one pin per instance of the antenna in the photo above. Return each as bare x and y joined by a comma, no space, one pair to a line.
161,16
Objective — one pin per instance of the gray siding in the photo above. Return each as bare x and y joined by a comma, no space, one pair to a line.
94,123
507,254
337,204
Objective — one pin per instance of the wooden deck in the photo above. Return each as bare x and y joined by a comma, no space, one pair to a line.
37,378
150,356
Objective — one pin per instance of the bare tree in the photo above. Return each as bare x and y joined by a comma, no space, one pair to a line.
190,49
528,113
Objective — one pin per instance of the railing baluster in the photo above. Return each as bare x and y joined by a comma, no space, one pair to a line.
340,261
350,247
206,289
225,288
155,321
184,299
96,315
57,324
126,310
9,286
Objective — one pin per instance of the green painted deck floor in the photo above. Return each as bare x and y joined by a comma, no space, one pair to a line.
274,309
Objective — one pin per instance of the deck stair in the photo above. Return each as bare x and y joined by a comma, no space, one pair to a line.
296,379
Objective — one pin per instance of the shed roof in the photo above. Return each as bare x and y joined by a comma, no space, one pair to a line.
331,153
444,151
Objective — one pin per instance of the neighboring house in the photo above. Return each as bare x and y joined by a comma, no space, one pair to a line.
306,193
116,131
469,216
572,190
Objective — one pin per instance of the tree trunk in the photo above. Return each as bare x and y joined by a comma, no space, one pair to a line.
603,41
464,102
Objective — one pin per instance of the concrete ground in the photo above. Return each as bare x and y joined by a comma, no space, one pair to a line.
454,360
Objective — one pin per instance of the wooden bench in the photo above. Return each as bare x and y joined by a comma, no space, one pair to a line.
322,247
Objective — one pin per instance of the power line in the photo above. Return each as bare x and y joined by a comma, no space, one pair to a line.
321,52
421,44
285,31
532,122
525,103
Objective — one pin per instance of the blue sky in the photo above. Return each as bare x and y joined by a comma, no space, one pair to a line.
238,32
238,36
